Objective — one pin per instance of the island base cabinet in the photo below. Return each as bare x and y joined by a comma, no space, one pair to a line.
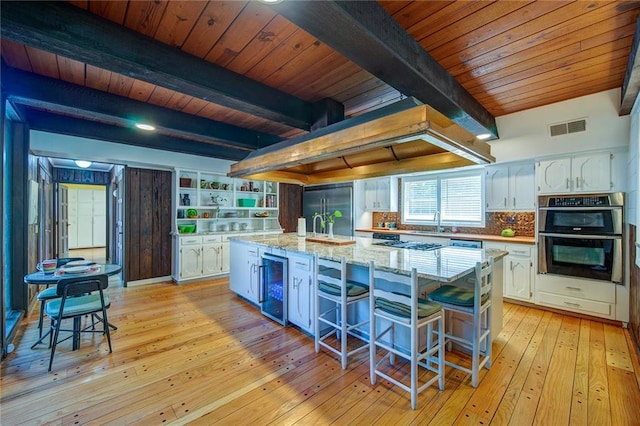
301,292
244,271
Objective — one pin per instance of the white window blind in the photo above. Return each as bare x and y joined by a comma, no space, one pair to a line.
453,199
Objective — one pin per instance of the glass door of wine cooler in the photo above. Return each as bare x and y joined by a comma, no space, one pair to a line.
273,288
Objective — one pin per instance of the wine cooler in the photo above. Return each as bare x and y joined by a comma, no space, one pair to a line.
273,288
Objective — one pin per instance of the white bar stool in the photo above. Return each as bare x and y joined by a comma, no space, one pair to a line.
333,289
421,317
475,306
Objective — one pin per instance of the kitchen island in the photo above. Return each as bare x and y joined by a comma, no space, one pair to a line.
434,267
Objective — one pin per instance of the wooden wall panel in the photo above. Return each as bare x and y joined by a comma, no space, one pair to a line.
290,206
147,224
634,288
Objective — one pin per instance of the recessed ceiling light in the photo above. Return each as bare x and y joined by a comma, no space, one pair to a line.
271,1
143,126
82,163
483,136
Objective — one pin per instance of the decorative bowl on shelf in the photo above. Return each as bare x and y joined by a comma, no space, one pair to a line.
186,229
263,214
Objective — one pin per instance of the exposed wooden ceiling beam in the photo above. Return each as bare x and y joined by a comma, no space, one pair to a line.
363,32
631,85
47,93
53,123
74,33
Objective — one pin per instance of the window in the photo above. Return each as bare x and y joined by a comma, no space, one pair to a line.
447,200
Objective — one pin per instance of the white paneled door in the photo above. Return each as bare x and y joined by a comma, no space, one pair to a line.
87,217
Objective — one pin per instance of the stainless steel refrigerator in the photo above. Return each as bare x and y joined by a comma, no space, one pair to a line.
327,199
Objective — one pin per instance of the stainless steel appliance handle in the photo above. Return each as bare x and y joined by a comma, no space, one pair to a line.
261,284
573,209
582,236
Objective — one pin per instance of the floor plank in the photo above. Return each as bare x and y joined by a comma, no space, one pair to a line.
198,354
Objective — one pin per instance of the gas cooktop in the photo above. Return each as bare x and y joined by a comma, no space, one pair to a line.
411,245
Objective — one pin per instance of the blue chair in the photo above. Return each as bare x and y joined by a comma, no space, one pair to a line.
49,293
78,297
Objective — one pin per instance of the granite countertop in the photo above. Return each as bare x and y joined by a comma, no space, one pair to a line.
482,237
444,264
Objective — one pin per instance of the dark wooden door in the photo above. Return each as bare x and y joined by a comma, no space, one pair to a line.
147,224
290,207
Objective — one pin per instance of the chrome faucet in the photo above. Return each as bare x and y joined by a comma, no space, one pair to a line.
317,216
436,218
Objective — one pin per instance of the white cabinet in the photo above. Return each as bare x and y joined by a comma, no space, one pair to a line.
580,173
510,187
300,298
216,202
244,271
519,271
190,258
199,256
381,194
212,256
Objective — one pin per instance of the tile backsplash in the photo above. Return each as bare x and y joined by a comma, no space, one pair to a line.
524,223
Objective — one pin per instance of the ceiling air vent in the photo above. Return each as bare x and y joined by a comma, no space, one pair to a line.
568,127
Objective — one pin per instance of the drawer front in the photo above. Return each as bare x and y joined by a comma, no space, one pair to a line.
190,241
300,263
590,307
518,250
591,290
211,239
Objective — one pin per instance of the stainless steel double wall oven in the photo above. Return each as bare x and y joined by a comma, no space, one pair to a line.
581,236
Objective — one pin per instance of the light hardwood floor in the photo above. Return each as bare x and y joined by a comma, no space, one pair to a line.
199,354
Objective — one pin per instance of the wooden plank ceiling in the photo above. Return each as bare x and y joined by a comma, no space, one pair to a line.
508,55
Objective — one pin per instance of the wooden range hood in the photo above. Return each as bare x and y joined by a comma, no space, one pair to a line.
406,137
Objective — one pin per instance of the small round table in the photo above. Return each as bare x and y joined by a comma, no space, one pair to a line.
40,278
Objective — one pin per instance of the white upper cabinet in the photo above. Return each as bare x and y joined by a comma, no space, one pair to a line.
381,195
579,173
510,187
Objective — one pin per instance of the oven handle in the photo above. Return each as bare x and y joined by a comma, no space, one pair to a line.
573,209
581,236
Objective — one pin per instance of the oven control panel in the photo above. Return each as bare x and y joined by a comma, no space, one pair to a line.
614,199
579,201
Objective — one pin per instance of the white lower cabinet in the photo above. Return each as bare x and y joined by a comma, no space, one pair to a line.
244,271
211,255
190,258
597,298
519,271
300,298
